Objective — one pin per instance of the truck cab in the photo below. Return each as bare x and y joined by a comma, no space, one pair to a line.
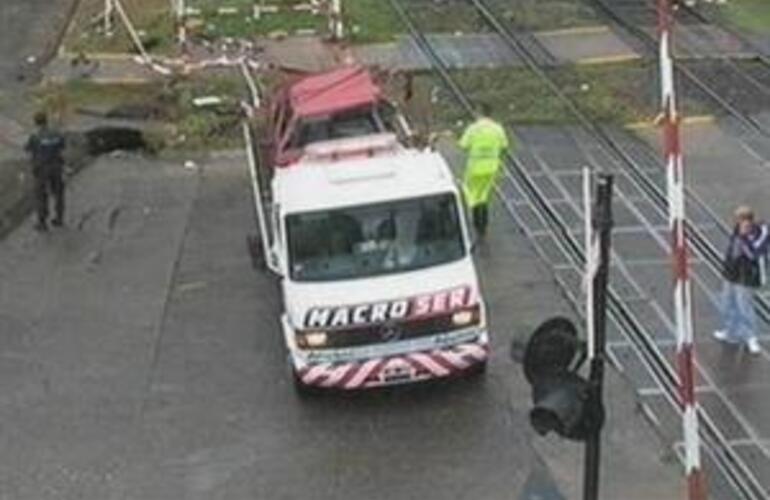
372,246
335,105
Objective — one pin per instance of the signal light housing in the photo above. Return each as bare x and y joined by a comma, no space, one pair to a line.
564,402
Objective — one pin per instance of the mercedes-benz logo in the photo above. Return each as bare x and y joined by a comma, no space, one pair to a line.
390,332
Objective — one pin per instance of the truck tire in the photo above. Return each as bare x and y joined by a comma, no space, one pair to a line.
301,389
478,370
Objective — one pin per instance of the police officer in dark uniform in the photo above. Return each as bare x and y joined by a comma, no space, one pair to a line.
45,147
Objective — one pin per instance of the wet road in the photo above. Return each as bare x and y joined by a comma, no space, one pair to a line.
141,358
28,28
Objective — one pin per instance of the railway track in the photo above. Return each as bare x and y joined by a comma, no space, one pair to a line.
704,18
736,472
657,193
697,69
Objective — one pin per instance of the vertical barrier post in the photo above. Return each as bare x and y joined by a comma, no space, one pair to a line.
679,255
180,19
592,258
335,20
108,8
602,226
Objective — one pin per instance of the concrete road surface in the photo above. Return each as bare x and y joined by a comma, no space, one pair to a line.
29,28
140,358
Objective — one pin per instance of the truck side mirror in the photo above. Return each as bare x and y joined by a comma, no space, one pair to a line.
275,262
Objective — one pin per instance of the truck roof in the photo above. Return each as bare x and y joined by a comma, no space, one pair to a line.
391,175
337,90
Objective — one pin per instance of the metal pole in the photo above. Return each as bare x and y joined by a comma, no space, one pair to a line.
108,17
131,31
685,351
602,225
180,19
592,257
335,20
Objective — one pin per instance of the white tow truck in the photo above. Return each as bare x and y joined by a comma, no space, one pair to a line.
369,239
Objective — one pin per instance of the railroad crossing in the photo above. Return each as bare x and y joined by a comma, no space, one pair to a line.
142,357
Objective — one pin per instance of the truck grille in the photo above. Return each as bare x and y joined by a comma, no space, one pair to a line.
394,331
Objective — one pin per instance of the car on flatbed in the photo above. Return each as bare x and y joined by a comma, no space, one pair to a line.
369,238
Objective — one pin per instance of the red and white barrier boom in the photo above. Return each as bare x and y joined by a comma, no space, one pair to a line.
682,289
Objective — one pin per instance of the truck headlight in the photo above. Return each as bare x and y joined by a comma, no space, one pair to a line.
461,318
312,339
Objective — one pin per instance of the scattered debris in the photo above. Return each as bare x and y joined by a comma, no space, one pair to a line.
207,101
106,139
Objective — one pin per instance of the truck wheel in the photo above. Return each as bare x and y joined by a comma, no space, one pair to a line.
478,370
300,388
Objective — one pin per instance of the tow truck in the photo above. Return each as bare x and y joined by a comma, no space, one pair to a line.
369,239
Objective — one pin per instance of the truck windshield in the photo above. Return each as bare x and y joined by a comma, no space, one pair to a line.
370,240
351,123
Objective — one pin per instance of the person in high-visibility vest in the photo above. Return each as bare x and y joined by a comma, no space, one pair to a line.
484,142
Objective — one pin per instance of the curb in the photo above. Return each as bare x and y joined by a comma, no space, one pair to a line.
99,56
690,120
122,81
12,214
580,30
587,61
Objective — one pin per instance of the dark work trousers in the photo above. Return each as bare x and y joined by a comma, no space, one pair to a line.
481,218
49,181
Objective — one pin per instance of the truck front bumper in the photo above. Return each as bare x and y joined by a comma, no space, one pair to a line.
402,368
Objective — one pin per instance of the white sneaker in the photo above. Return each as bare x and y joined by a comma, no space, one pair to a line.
721,335
753,345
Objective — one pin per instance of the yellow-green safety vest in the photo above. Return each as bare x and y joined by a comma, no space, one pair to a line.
484,142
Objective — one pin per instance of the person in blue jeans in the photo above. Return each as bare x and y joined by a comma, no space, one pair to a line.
744,272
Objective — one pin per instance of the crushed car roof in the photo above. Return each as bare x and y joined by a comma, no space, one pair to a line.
336,90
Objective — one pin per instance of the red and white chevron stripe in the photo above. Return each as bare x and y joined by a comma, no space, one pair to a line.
403,368
679,254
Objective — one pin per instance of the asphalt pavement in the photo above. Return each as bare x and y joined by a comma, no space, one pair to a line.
30,28
140,356
141,359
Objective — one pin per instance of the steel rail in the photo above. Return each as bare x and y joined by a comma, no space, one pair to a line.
748,484
651,44
726,459
713,256
759,54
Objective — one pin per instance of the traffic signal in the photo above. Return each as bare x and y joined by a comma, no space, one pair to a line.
563,401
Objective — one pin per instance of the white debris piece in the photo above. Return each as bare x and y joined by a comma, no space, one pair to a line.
209,100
